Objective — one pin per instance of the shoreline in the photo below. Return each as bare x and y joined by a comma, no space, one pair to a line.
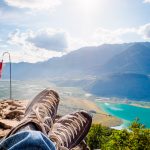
99,116
121,110
141,104
124,125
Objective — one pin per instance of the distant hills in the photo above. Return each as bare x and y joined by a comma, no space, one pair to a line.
130,86
119,70
76,63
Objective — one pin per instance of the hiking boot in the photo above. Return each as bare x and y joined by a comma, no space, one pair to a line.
70,130
40,113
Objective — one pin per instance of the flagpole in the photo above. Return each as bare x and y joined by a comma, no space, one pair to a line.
10,73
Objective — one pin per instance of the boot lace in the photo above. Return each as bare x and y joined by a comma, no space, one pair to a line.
64,133
43,113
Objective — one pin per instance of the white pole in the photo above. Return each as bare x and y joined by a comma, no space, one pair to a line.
10,86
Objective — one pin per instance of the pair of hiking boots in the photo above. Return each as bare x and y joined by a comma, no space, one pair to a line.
67,132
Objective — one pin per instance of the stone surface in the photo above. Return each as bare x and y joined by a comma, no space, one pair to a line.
3,132
11,112
6,124
15,114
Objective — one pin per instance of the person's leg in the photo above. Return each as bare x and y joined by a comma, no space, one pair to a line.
40,113
66,133
27,140
39,116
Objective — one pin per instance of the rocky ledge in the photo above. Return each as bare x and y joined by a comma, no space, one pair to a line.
11,113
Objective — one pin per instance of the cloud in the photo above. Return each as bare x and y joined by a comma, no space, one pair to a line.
144,31
40,45
31,46
107,36
23,50
122,35
50,39
146,1
33,4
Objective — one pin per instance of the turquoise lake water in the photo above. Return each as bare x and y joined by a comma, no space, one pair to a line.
127,113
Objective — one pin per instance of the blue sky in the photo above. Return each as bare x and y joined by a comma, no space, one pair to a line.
35,30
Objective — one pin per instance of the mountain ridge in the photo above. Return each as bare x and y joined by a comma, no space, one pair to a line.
135,59
89,67
75,63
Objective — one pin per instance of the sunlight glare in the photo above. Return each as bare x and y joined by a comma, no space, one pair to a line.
88,6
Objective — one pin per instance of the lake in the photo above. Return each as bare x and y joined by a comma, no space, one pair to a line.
127,113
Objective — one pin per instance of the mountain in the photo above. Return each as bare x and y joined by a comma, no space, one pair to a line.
130,86
113,70
74,64
78,62
135,59
93,61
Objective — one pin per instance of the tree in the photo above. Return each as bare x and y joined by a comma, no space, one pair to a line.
136,137
98,135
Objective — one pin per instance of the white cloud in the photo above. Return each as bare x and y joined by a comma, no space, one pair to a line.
23,50
103,35
107,36
50,39
34,4
33,46
146,1
144,31
43,44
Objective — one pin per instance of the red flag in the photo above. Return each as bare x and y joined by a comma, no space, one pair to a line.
1,67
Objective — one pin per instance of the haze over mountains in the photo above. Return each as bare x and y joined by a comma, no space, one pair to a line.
113,70
126,85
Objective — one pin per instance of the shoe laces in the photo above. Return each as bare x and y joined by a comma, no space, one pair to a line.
42,112
65,132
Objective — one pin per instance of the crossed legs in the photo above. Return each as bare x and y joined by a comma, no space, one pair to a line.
38,129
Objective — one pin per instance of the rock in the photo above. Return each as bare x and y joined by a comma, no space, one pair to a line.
13,108
4,105
6,124
14,114
14,103
3,133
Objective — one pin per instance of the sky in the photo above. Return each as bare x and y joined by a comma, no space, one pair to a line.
35,30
